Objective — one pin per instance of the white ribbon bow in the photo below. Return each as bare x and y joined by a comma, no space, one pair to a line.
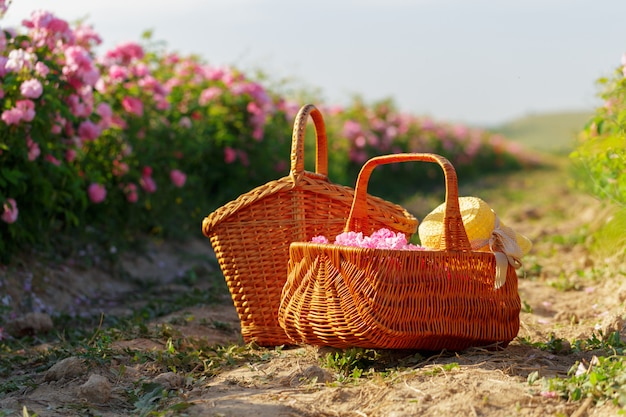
503,244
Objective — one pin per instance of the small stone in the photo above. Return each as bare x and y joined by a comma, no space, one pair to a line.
30,324
67,368
314,372
10,406
97,389
168,380
612,324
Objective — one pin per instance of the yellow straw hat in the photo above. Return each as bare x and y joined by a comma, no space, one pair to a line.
480,223
485,232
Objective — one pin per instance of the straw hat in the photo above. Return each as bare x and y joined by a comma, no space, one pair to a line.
484,230
481,225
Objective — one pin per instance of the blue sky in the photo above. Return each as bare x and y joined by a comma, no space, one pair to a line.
479,62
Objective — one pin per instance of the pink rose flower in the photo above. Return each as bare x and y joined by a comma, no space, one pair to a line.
18,59
23,110
148,184
96,192
70,155
381,239
257,133
10,213
27,108
119,168
162,103
33,149
229,155
31,88
78,106
131,193
126,52
56,129
77,58
42,69
178,177
133,105
52,160
104,110
106,116
86,36
118,72
184,122
3,62
319,239
352,129
141,70
90,76
207,95
88,130
11,117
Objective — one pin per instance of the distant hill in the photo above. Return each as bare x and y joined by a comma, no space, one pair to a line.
547,132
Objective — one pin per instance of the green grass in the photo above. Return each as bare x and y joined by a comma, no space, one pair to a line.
609,239
547,132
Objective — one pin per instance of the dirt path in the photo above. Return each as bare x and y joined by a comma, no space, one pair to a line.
147,369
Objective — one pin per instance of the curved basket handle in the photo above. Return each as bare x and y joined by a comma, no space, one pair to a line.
454,236
297,143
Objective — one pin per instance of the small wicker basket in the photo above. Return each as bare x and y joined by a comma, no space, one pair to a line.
344,296
251,234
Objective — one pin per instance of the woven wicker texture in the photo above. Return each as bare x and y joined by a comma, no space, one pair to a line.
251,235
343,296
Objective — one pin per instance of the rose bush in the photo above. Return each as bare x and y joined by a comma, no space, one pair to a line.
126,143
142,140
46,97
375,129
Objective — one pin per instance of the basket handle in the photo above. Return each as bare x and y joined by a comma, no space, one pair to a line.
297,143
454,236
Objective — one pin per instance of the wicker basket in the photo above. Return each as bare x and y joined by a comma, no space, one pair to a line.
344,296
251,235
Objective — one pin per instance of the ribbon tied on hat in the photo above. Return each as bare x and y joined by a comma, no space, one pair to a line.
503,244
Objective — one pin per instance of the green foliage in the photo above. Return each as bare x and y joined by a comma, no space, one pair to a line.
602,379
351,362
610,239
611,344
442,368
601,154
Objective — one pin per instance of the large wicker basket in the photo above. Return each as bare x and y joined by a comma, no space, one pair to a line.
344,296
251,235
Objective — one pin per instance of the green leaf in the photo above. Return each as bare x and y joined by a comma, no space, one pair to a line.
12,175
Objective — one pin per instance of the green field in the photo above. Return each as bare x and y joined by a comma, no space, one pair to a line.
549,132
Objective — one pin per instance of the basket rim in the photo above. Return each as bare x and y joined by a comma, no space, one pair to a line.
256,194
338,247
285,184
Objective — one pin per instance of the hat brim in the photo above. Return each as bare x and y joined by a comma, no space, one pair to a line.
524,243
